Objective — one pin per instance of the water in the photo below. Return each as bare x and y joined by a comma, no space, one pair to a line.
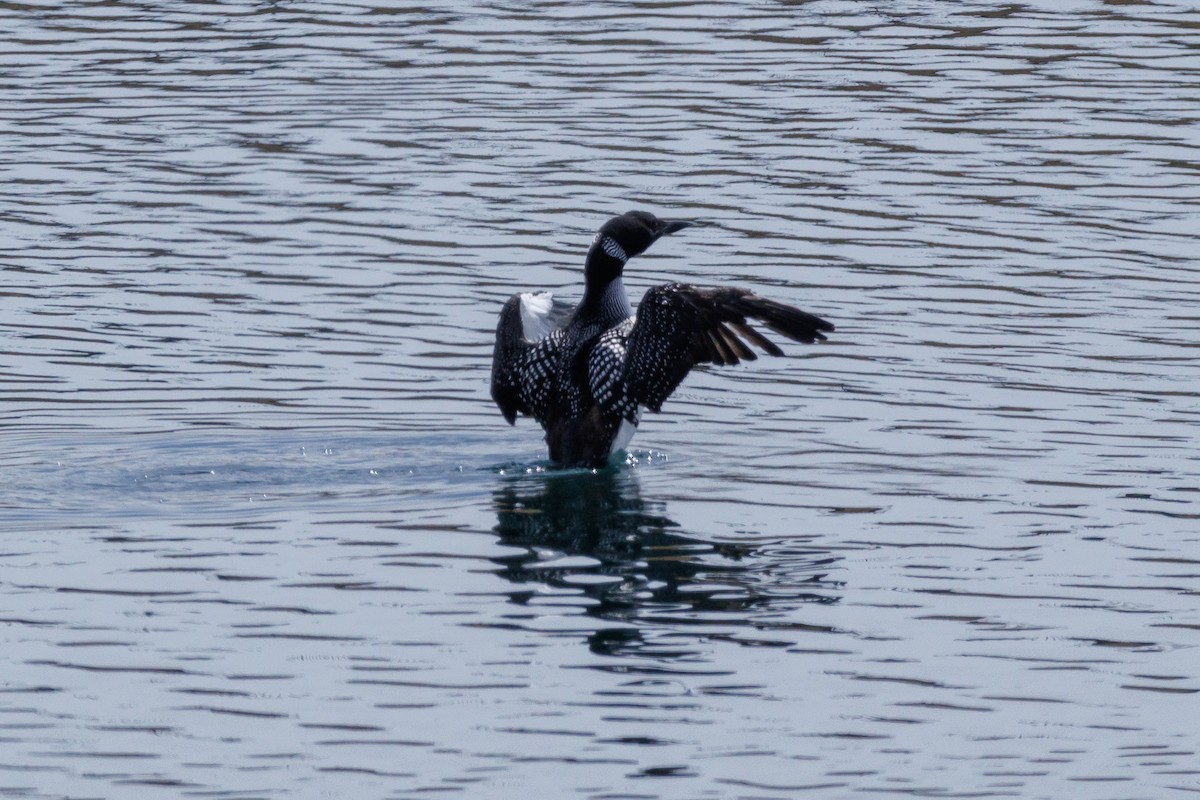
263,534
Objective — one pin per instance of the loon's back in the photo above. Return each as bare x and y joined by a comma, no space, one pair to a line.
585,378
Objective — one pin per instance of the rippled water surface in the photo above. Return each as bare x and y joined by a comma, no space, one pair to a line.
263,535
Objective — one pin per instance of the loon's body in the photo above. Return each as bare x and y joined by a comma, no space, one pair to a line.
587,374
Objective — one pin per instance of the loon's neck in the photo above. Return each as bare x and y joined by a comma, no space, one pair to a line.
608,302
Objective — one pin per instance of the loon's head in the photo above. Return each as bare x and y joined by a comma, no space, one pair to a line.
622,238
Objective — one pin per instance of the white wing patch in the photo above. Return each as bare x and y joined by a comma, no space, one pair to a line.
624,435
536,321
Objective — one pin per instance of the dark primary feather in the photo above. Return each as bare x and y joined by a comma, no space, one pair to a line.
678,326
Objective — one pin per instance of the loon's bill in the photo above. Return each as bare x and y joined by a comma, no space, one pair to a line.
586,374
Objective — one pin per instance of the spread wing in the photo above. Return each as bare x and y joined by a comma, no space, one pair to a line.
679,326
527,354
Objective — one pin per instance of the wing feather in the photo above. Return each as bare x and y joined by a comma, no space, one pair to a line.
679,326
523,365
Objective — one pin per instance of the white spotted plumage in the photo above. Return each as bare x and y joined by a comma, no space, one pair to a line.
538,374
606,374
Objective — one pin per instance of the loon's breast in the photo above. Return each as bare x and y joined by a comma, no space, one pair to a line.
599,417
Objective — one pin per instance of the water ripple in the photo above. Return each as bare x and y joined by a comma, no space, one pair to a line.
264,534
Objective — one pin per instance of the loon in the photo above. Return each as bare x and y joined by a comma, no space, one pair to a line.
587,374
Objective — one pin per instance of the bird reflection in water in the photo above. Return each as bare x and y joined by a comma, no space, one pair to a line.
592,532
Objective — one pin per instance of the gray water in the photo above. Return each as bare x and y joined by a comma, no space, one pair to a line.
263,535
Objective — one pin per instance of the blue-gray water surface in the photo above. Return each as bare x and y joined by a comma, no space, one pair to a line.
263,535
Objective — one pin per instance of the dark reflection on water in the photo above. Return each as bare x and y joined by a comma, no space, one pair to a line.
593,531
